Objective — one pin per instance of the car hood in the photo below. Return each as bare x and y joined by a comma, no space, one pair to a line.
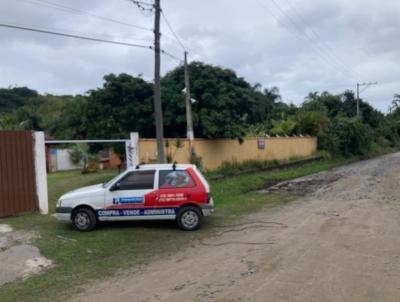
85,191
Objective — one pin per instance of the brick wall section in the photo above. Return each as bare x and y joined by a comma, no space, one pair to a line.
114,161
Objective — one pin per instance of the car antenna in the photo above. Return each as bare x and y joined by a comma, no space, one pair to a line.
174,166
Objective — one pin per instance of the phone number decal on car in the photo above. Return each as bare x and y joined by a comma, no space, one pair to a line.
136,212
174,197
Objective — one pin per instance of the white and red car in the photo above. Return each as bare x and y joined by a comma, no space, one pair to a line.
147,192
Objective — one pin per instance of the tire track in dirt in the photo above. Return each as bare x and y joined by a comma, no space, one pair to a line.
339,242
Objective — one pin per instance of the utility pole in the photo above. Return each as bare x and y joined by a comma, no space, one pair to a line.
358,99
189,119
157,85
358,93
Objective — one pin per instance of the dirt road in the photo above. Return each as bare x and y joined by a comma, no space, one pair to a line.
338,243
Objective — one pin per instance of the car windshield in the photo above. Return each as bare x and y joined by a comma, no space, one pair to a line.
106,184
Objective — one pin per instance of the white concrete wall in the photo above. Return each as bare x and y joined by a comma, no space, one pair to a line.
40,172
61,160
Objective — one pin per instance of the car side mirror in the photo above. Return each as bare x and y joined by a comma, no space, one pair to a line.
115,187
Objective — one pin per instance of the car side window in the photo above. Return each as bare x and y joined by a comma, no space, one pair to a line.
175,179
137,180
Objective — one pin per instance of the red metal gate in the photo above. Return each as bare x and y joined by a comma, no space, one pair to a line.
17,173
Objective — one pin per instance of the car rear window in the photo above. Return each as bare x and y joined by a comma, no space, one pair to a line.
175,179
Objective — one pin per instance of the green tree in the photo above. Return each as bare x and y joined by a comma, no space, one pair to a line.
9,121
395,106
346,136
81,154
369,115
301,123
310,122
223,103
14,98
72,124
124,104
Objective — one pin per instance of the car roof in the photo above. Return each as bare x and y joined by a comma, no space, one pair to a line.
161,167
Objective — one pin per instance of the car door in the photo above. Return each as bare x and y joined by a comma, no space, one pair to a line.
176,187
133,191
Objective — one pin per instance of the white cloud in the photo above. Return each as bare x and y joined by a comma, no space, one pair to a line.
300,46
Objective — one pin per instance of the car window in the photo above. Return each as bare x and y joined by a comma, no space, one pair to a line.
138,180
108,183
175,179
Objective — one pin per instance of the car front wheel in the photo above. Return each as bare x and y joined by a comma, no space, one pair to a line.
84,220
189,218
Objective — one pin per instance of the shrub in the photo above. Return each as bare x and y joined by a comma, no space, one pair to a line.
303,122
346,136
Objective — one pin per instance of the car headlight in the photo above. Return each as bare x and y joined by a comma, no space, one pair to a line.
59,203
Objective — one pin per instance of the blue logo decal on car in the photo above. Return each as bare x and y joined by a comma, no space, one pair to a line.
125,200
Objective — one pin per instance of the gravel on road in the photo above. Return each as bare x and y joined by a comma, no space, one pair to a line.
338,242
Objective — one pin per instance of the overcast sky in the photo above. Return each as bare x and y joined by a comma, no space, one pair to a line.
297,45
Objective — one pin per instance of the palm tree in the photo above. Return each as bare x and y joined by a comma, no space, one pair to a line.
272,94
395,106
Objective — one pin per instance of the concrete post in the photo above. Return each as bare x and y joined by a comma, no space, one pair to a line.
128,154
40,172
132,155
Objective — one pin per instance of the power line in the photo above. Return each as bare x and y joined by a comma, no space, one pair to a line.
297,32
323,53
367,85
358,94
104,36
144,6
13,26
177,39
73,36
328,50
172,31
140,4
171,56
82,12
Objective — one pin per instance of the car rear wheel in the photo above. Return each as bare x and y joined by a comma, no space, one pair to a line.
84,220
189,218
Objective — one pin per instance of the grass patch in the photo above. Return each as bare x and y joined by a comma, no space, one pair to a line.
85,257
65,181
253,166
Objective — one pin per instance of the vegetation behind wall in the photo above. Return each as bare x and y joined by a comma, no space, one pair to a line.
225,106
